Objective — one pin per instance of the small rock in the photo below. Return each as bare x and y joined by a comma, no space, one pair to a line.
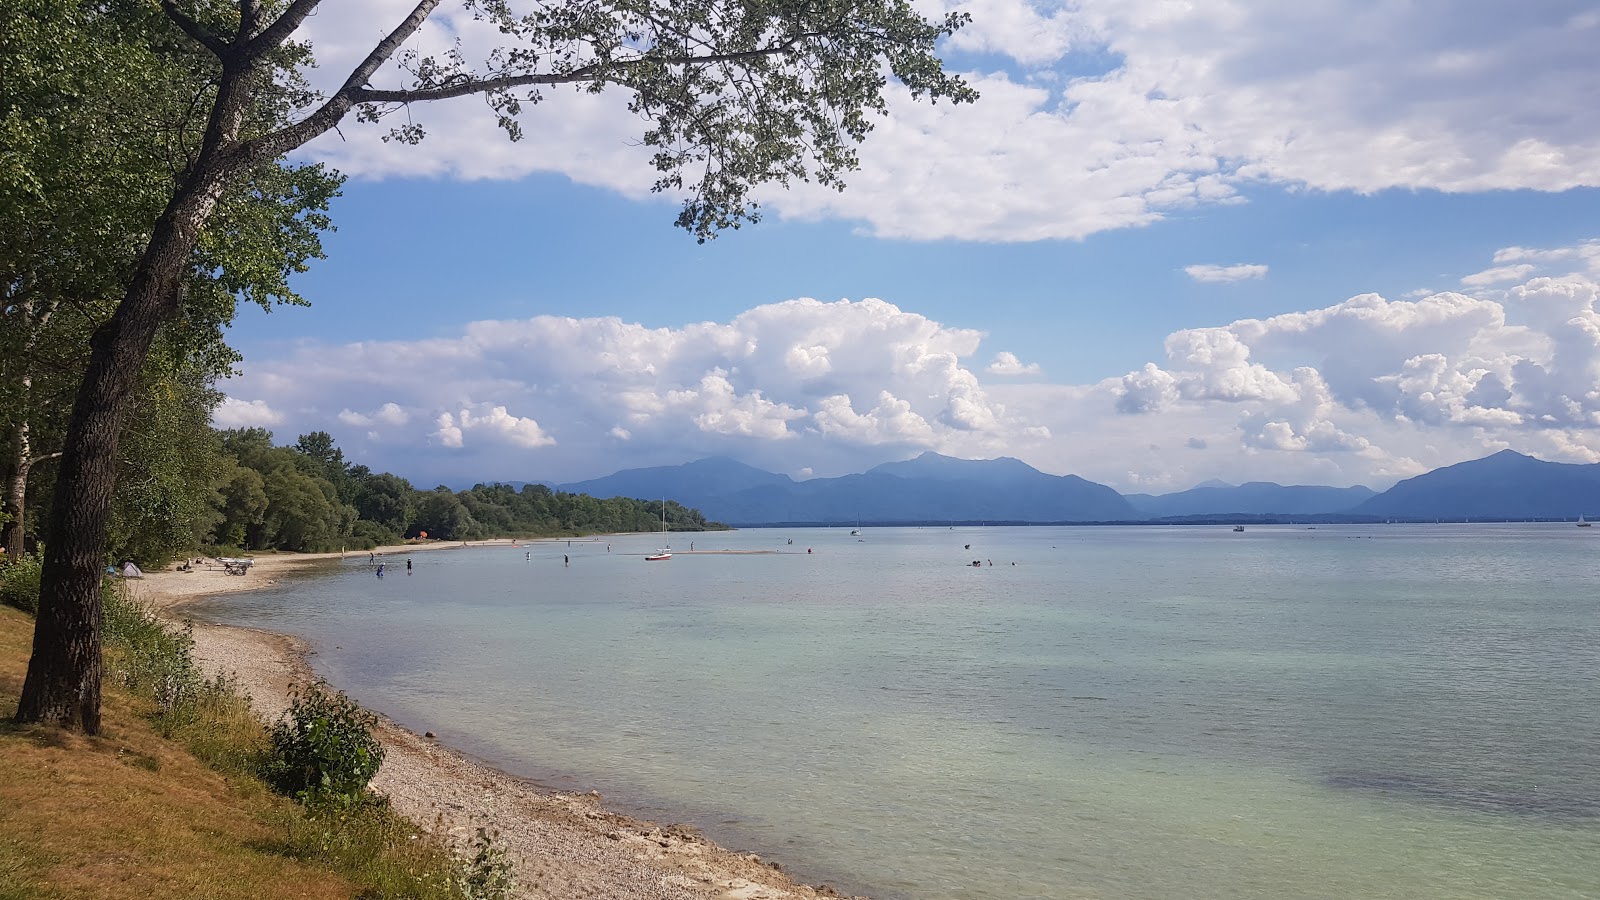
614,835
429,734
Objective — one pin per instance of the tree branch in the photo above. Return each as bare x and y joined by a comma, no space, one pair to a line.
39,459
278,31
249,18
329,114
584,73
201,34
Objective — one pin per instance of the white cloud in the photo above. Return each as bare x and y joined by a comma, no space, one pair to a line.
1497,275
1212,274
1363,390
236,413
493,423
1007,363
1113,114
830,378
387,414
1521,366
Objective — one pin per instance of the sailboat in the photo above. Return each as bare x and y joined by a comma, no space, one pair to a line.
856,530
1582,523
666,551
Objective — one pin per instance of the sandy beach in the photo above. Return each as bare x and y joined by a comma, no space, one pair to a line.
561,846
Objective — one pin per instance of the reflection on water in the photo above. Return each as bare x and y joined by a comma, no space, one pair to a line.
1404,711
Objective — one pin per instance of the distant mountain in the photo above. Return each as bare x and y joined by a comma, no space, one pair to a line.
936,488
706,477
1507,485
1252,498
930,488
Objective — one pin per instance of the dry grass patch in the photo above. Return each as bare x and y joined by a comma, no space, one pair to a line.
128,814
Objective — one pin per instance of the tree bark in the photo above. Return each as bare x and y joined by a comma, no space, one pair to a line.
33,322
16,497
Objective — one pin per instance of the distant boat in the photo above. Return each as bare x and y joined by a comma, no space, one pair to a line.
1238,528
664,552
856,530
1582,523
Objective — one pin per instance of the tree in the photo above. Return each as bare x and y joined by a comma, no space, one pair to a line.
387,500
442,515
93,125
737,93
102,113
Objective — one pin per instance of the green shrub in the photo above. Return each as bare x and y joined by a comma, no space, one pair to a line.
486,875
323,751
19,583
365,535
369,843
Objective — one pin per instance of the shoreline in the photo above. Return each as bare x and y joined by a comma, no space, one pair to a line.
560,845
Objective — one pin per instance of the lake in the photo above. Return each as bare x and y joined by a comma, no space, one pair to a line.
1401,711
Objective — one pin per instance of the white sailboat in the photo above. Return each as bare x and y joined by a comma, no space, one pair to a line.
1582,523
666,551
856,530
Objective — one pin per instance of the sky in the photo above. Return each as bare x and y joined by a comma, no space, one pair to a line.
1314,243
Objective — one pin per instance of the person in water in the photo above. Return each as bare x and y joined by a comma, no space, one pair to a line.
380,570
408,566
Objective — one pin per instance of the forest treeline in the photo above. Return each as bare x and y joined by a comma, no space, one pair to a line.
236,491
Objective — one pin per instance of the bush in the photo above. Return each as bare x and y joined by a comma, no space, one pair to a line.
486,874
323,751
365,535
19,583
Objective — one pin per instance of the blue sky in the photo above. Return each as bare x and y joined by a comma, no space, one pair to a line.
526,311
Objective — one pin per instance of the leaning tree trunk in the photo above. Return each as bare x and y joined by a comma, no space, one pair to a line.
63,683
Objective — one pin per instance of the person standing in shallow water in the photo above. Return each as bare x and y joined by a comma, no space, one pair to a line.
408,566
566,560
380,570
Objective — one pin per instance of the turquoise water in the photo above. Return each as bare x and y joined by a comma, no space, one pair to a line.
1383,711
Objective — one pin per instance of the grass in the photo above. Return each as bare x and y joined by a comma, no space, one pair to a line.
165,802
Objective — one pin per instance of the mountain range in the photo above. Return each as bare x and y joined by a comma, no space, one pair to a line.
933,488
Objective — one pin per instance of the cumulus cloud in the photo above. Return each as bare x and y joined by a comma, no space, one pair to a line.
236,413
1366,389
1108,113
387,414
1006,363
492,423
1212,274
1516,365
826,377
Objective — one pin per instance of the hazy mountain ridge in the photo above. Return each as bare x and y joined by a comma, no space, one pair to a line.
1507,485
928,488
1251,498
936,488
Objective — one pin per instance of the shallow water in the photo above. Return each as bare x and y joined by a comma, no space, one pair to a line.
1351,711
